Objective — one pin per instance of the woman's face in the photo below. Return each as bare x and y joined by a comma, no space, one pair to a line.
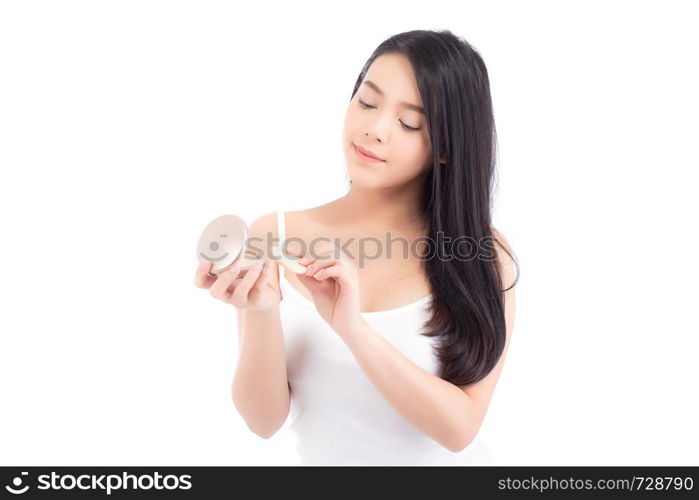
386,128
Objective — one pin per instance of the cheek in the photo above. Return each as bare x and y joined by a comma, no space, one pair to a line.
350,124
413,151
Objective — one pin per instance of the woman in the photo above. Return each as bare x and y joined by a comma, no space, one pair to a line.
385,356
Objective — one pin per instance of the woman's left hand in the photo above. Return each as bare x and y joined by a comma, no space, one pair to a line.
334,284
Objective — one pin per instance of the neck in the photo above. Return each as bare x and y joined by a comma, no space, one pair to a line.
383,208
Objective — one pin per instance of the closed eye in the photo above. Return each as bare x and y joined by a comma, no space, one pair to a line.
368,106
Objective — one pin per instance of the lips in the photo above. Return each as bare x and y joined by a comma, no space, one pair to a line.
368,153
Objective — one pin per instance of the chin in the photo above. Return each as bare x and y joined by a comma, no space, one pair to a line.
363,179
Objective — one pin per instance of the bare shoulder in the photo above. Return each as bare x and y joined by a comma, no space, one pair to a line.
266,223
507,275
505,258
501,240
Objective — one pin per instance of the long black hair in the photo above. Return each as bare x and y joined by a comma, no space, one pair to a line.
467,307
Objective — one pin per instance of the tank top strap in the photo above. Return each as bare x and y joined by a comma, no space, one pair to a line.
281,227
281,234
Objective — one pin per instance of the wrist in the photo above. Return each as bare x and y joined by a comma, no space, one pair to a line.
265,312
355,331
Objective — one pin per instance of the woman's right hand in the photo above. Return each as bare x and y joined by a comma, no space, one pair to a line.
254,291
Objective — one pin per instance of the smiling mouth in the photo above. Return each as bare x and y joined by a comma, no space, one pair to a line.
211,259
366,156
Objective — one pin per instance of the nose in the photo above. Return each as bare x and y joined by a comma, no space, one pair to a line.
377,129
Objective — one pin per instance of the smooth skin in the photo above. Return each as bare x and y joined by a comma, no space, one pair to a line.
382,198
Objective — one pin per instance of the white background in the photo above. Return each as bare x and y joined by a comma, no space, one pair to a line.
125,127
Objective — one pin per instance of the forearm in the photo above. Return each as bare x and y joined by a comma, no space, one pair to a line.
436,407
260,385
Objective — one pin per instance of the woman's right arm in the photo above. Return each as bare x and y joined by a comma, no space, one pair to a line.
260,390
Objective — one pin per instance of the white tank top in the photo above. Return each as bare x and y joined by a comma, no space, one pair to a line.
337,415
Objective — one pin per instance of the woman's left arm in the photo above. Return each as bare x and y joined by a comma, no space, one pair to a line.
449,414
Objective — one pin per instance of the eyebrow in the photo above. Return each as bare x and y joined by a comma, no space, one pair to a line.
372,85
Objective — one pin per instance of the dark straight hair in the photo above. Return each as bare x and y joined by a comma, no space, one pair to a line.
467,307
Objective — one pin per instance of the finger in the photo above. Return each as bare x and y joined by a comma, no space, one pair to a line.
317,265
334,271
338,273
325,253
198,275
202,278
293,249
219,289
239,297
310,258
263,279
292,257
